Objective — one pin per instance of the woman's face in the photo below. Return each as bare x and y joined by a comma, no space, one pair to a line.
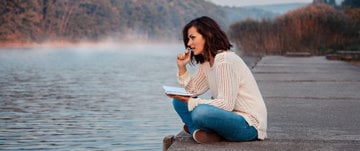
196,41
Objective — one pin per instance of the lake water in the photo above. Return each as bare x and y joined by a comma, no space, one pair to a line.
87,98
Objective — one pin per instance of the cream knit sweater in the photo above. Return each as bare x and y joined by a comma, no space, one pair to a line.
232,86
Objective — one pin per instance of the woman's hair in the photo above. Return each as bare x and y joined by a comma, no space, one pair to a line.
215,38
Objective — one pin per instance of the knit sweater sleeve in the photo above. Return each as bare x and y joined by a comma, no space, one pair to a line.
196,84
227,87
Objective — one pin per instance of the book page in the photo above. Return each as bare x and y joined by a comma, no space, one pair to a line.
176,91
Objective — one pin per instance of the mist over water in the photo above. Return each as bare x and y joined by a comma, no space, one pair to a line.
87,98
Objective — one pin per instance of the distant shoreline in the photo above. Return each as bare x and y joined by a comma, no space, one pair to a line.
19,45
33,44
59,44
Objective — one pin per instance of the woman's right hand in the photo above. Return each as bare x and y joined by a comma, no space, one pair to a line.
183,59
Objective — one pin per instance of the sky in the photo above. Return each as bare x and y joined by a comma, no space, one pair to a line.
255,2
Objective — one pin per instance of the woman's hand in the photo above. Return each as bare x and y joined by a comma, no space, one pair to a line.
183,59
184,99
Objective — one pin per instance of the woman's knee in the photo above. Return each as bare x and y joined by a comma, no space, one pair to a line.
179,105
175,101
202,112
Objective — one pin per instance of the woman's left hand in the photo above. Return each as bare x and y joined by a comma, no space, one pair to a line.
182,98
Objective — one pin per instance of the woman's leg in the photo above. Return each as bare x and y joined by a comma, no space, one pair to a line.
229,125
182,110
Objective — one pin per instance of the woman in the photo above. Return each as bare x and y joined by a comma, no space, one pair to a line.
236,111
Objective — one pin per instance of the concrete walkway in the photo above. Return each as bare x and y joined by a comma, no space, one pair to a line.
313,104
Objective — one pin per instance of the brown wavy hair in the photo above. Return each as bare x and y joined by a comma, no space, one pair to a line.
215,38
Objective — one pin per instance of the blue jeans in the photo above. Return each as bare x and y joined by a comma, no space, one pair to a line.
229,125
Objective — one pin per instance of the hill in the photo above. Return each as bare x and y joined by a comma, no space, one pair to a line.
242,13
278,9
92,20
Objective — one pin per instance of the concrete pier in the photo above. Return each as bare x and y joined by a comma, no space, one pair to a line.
313,104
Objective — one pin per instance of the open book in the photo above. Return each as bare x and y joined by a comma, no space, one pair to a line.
176,91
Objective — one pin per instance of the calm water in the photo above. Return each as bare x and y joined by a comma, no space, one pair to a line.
87,98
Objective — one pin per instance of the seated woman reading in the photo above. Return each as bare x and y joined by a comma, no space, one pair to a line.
236,111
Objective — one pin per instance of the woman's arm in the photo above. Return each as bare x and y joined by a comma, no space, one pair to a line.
227,87
196,84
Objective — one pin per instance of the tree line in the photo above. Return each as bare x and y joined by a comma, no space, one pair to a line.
316,28
93,20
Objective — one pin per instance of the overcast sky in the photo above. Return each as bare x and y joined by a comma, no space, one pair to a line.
255,2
